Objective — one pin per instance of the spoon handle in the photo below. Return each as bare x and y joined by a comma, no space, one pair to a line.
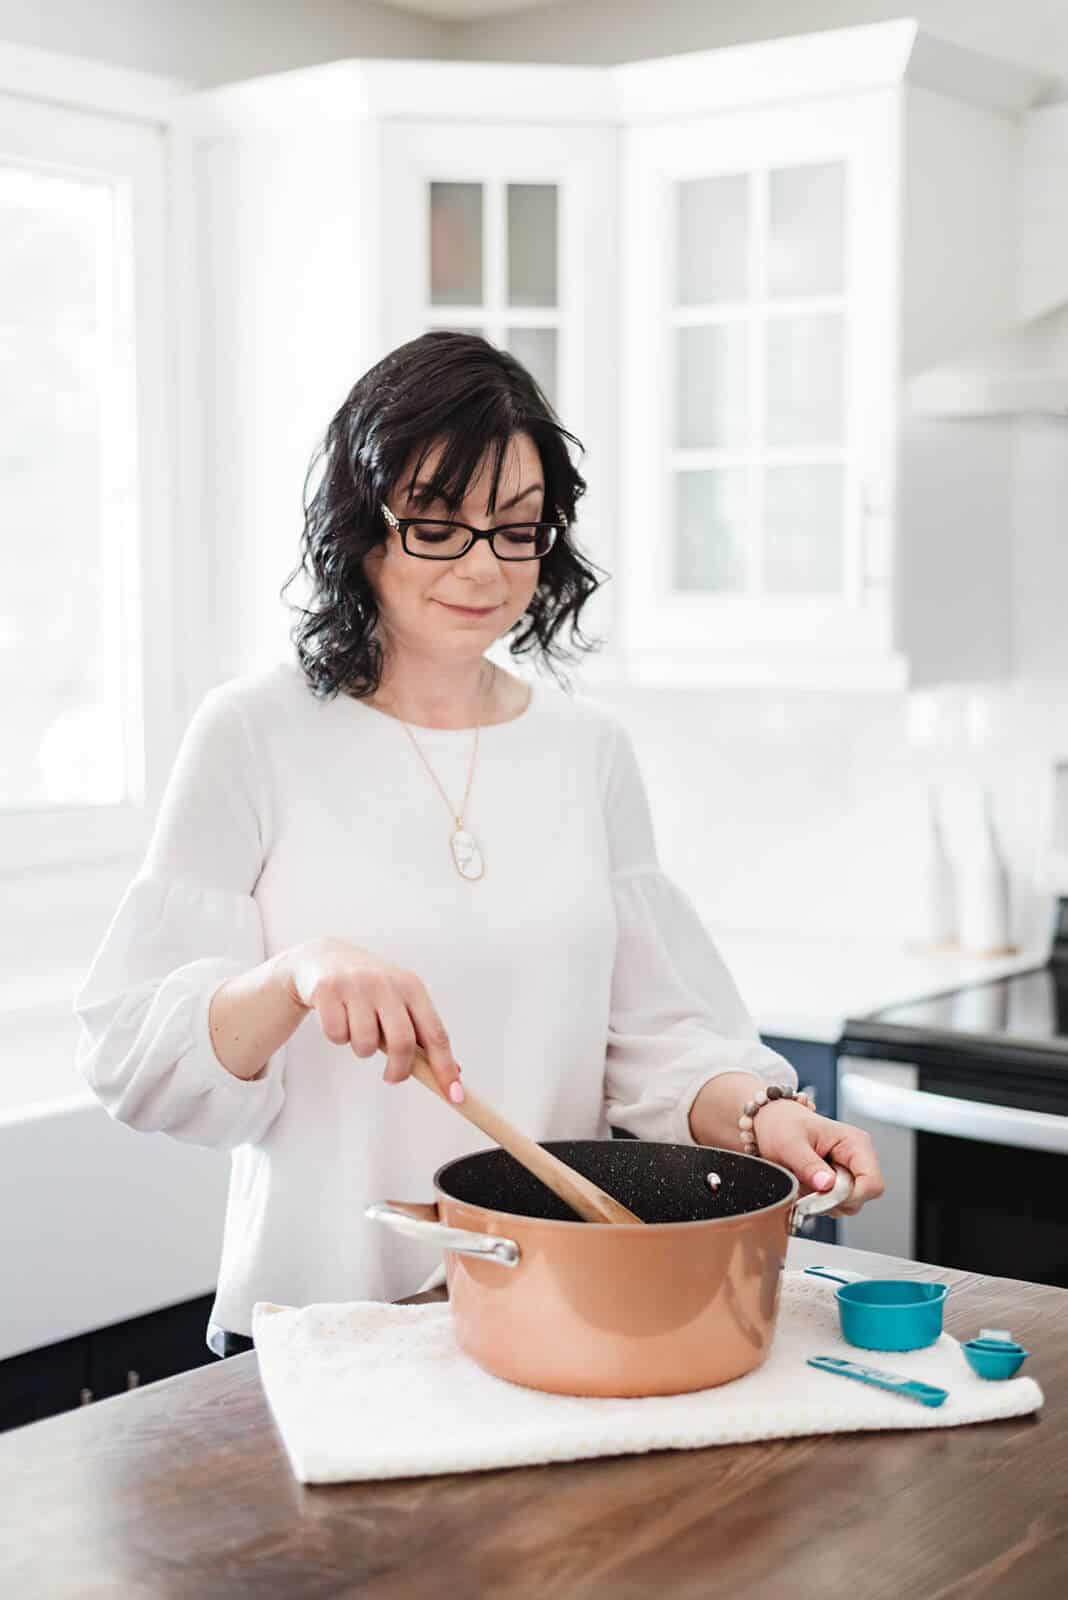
928,1394
591,1203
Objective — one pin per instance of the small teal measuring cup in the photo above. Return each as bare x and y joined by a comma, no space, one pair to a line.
886,1313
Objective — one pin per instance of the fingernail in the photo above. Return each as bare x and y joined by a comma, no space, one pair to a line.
456,1092
822,1180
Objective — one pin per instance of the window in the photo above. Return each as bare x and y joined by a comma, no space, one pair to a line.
68,498
88,598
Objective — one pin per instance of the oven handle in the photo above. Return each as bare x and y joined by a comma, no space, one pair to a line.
941,1113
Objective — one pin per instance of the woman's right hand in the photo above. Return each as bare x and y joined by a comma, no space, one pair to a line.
371,1005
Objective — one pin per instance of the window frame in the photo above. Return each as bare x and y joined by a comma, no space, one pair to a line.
76,115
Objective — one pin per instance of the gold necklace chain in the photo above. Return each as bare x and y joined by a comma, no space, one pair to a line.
466,854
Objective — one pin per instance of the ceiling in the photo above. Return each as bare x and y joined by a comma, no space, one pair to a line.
464,10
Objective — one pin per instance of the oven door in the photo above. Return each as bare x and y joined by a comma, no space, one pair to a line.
975,1171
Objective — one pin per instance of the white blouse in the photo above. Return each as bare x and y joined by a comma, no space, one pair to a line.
577,983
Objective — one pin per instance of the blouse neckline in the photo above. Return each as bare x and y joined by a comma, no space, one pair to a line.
455,733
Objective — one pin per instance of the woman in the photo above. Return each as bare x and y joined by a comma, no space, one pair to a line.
414,845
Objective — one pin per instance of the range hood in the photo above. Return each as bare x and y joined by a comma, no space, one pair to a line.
1019,372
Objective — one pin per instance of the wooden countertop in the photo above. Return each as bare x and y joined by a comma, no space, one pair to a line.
182,1488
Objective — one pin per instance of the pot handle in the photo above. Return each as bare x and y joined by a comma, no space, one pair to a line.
815,1204
488,1246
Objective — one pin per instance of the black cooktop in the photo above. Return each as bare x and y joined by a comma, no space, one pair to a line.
1017,1017
1025,1007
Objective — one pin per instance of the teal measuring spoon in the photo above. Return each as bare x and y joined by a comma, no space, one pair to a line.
926,1393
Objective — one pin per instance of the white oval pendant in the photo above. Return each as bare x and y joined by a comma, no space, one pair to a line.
466,854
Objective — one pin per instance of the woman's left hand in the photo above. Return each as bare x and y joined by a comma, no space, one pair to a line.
805,1142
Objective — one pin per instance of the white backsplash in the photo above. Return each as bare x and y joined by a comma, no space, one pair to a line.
806,811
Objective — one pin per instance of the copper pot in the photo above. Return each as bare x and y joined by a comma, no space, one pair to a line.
685,1301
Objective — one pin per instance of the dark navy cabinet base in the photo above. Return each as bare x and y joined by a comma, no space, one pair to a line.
815,1065
107,1361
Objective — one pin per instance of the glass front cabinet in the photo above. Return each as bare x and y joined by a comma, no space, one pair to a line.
510,232
758,440
721,268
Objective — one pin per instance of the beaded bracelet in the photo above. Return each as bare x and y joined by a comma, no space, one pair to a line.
750,1109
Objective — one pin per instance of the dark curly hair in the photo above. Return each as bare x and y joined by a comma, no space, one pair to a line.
444,387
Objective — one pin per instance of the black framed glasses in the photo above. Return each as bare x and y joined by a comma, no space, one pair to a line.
431,540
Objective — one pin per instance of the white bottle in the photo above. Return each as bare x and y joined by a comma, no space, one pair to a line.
984,891
937,918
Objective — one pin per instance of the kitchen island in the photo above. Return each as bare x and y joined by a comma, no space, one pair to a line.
183,1488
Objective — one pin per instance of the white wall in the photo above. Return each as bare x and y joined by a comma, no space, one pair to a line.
1034,32
214,41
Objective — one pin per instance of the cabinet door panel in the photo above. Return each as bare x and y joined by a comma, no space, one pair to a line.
533,278
455,244
712,386
759,315
806,381
42,1383
803,548
148,1348
711,519
806,222
816,1066
712,239
536,348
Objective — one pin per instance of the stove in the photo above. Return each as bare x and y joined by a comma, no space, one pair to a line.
965,1095
1021,1019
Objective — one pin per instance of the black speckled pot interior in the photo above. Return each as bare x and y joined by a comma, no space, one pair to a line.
658,1182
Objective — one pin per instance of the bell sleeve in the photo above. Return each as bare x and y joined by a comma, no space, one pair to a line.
186,924
676,1018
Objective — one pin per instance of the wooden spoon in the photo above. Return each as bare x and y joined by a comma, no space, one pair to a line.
591,1203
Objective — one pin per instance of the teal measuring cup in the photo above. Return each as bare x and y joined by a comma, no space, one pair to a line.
886,1313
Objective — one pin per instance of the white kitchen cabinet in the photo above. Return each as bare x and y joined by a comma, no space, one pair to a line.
798,236
723,267
509,231
758,314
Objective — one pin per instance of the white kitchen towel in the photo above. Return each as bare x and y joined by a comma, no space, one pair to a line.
366,1389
